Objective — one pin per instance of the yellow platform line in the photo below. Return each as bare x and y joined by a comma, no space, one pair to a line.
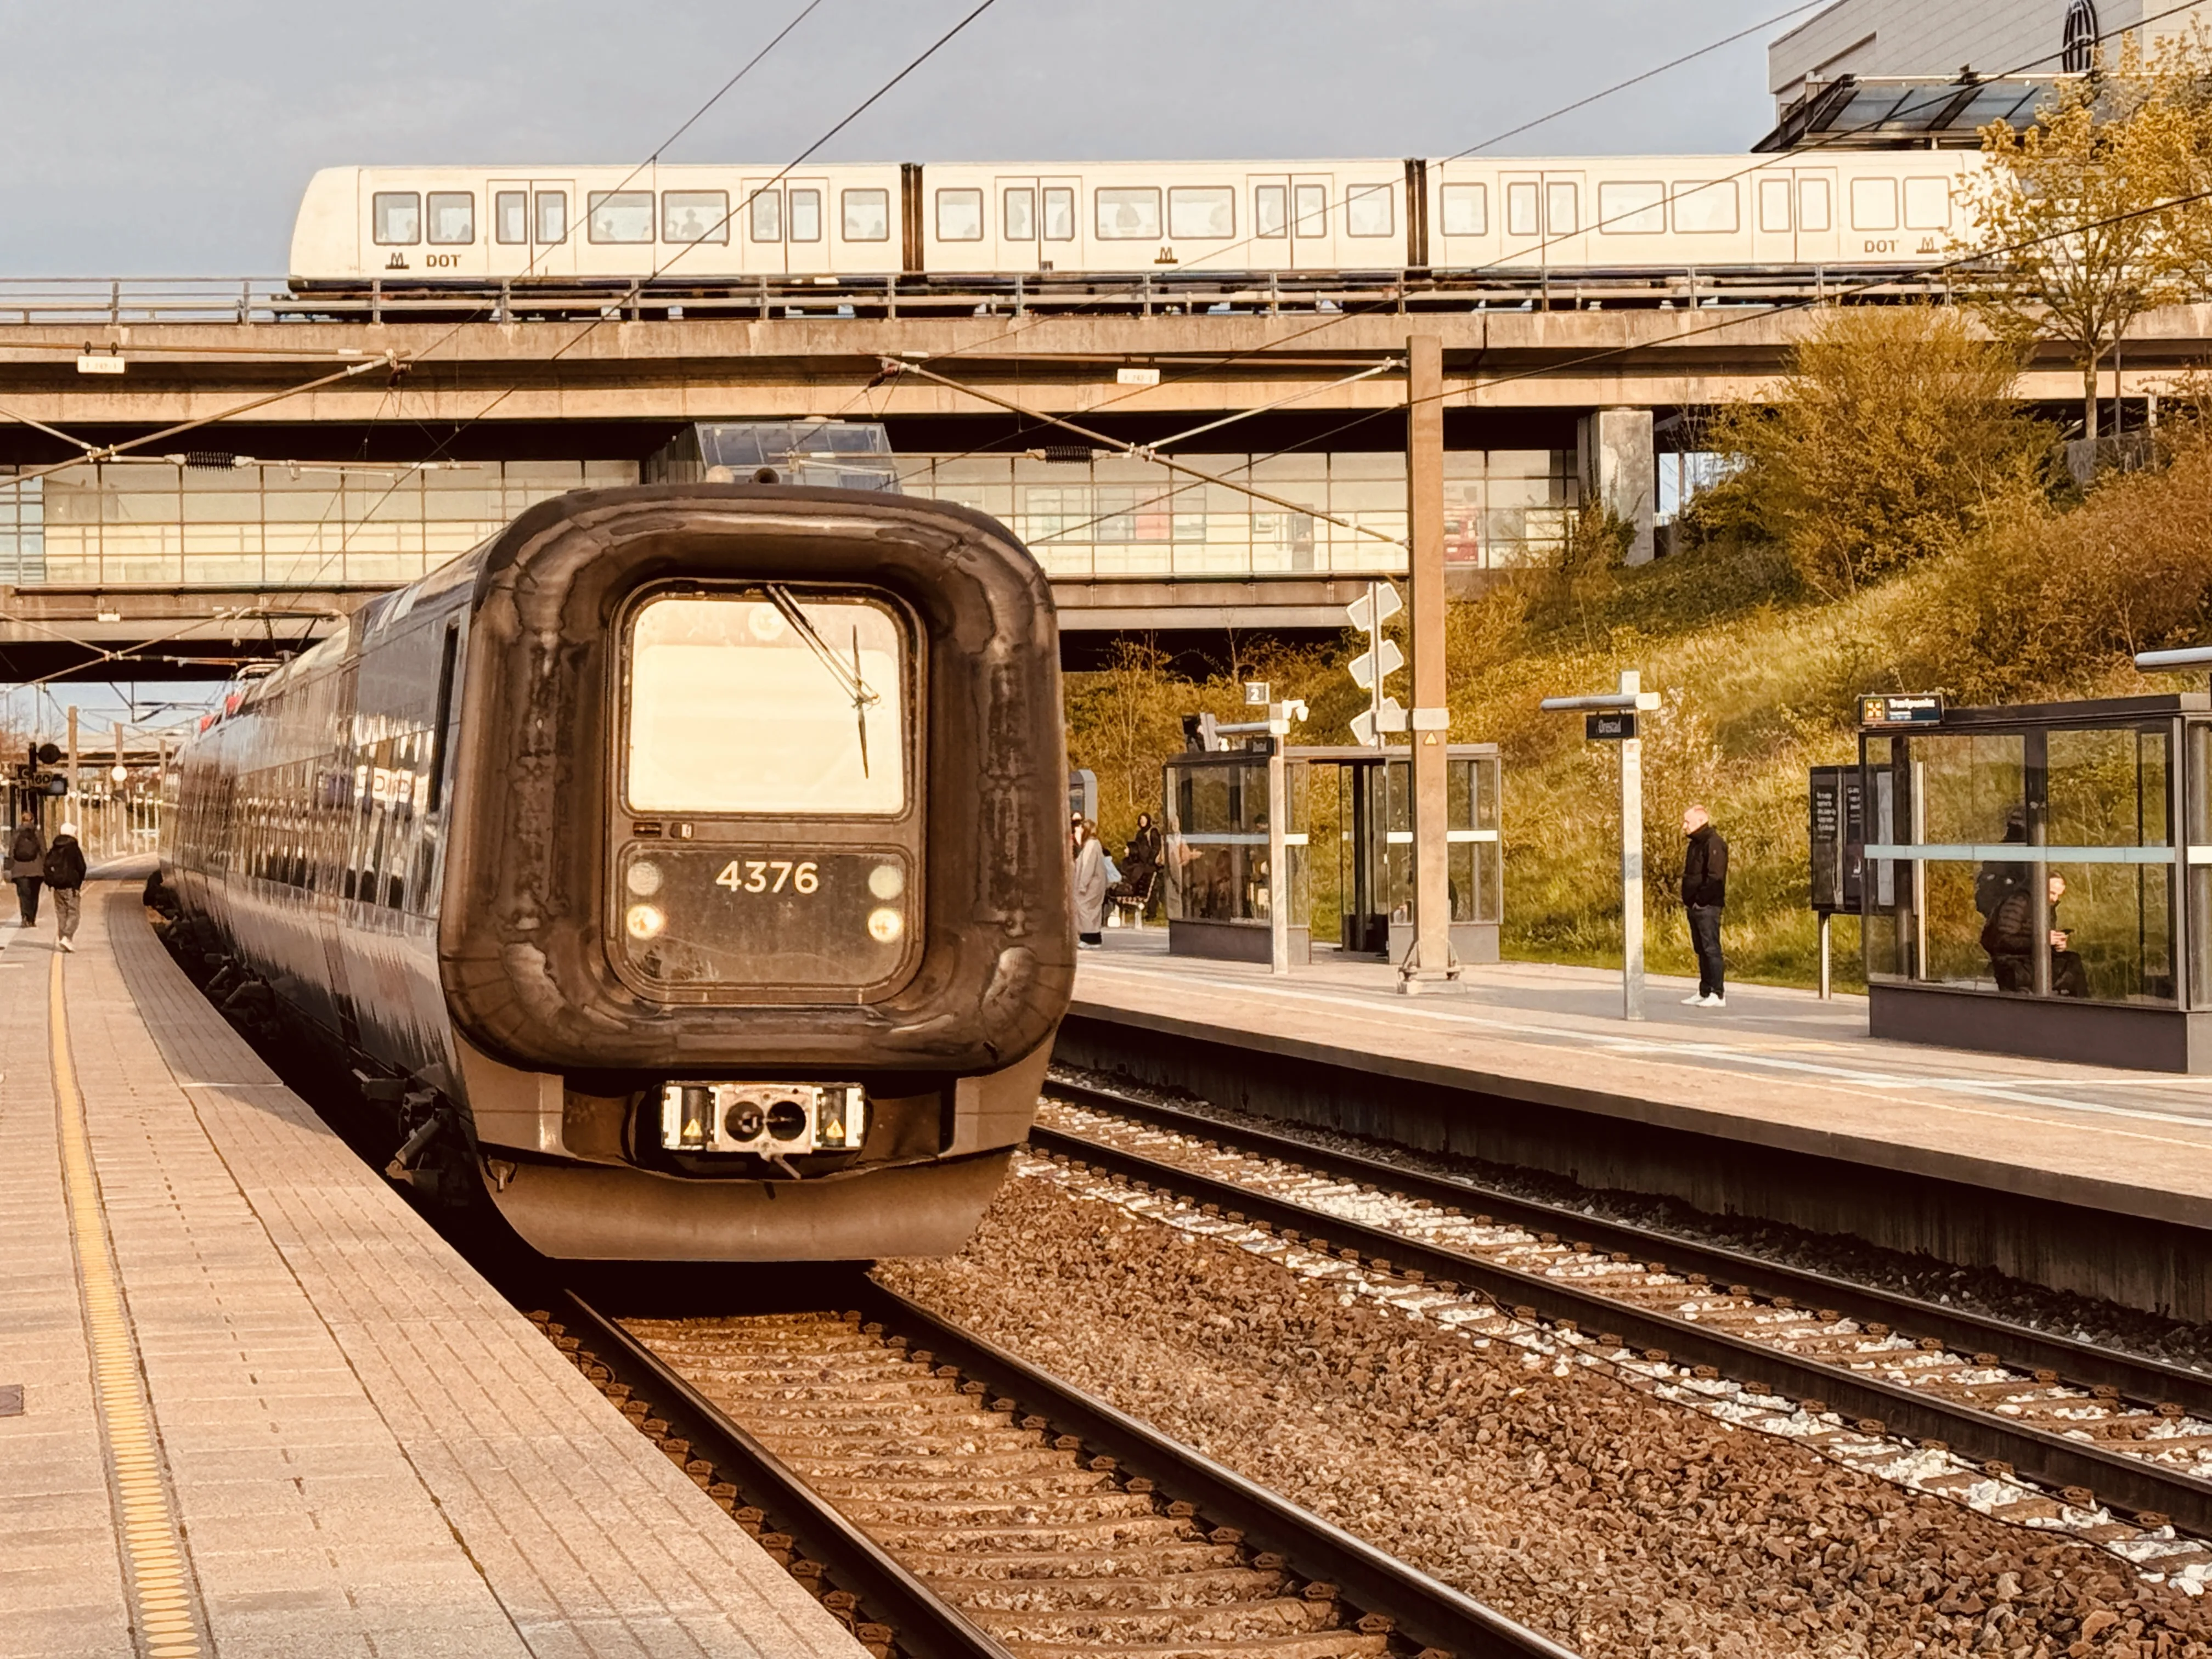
166,1613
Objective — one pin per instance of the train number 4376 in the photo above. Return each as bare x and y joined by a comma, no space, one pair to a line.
770,876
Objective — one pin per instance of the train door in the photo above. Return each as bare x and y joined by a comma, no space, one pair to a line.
1773,217
1016,212
757,228
806,226
1819,237
1545,219
528,232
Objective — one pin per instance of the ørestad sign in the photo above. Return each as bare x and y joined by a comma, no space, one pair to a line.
1902,708
1612,726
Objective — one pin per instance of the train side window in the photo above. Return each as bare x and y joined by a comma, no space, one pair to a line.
1059,215
1813,208
1020,209
1706,207
510,216
452,217
767,215
1202,213
1368,210
1774,204
619,216
1311,218
695,216
959,215
1271,211
397,215
1562,208
1130,214
448,656
552,216
868,215
1521,210
1927,203
1631,210
1466,210
805,215
1874,205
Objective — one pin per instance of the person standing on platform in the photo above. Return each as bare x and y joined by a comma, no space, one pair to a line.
1089,887
1704,891
27,858
64,873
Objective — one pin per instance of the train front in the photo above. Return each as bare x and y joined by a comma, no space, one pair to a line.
755,924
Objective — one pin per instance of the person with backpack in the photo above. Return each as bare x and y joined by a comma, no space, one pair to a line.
65,874
27,858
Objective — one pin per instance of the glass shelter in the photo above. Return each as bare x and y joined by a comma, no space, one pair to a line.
1375,848
2038,880
1216,855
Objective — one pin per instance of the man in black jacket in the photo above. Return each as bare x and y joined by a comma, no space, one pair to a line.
64,872
1704,891
26,854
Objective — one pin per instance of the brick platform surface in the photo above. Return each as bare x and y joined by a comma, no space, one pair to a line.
369,1452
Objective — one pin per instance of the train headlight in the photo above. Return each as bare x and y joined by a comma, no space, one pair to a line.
645,920
887,881
885,925
643,879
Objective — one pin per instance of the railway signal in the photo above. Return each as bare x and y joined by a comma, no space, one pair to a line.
1381,658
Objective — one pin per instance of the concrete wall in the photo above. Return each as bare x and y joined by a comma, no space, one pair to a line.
1620,471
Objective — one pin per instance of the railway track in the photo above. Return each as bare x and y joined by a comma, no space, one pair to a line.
2091,1426
945,1497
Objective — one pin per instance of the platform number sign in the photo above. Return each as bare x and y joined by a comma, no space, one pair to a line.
1838,824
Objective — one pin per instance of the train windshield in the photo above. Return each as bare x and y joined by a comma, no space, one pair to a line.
774,702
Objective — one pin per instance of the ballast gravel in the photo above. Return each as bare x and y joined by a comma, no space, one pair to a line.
1616,1523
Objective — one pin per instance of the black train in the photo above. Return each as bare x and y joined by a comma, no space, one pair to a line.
683,868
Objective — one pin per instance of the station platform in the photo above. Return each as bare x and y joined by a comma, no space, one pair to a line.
1778,1106
252,1405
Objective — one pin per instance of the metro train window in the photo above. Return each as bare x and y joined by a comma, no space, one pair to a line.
1311,218
1813,208
619,216
959,215
1271,211
510,216
1202,213
398,216
453,216
1020,215
1927,203
1874,205
1059,215
868,215
1466,210
1562,208
1368,210
1130,214
1631,210
695,216
552,216
735,707
1521,210
767,214
1705,207
805,215
1774,204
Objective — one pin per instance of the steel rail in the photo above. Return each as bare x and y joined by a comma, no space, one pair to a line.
926,1626
2138,1378
1422,1608
2131,1485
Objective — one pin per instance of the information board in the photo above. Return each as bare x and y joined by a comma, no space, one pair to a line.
1611,727
1901,709
1838,797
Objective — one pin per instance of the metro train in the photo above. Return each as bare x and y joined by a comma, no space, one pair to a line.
696,226
682,872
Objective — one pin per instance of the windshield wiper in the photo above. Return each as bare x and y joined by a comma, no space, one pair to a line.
864,697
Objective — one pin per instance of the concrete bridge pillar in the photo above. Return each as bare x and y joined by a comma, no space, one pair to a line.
1619,470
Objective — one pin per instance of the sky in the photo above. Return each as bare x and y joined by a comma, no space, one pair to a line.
165,140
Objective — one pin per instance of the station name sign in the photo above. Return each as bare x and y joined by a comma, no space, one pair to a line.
1613,726
1901,709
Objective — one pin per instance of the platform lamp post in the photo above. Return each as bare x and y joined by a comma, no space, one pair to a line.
1611,719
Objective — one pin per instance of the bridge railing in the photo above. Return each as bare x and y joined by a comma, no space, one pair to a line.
122,302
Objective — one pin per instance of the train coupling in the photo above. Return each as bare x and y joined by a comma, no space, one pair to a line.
767,1120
